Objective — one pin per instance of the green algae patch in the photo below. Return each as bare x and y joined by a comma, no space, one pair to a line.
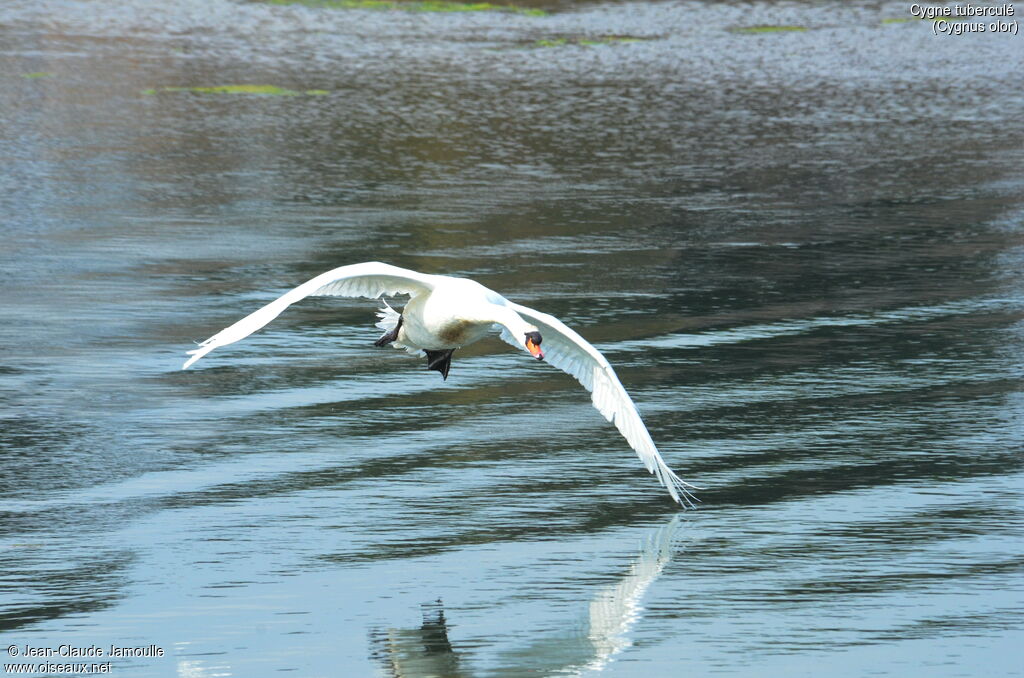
904,20
413,6
261,90
590,41
611,40
757,30
34,76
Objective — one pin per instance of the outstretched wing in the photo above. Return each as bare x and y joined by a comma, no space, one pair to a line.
571,353
370,279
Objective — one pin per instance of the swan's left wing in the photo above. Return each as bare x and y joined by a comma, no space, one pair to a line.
369,279
571,353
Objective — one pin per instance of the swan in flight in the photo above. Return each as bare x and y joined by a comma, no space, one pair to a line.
446,313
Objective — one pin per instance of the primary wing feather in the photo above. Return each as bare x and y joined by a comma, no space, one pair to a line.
370,279
574,355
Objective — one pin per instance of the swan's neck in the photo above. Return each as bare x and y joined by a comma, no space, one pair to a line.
510,320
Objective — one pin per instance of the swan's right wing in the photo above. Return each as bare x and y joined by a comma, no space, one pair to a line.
370,279
574,355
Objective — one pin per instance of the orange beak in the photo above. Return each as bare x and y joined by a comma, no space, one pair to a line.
534,349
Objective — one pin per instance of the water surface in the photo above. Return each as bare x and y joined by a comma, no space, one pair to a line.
801,250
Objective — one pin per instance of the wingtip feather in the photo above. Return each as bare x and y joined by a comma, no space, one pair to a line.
197,353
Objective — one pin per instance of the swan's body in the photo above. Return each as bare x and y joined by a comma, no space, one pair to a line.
446,313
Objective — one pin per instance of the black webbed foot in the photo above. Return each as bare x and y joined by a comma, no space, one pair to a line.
388,337
440,361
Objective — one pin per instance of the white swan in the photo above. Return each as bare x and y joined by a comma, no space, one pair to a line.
446,313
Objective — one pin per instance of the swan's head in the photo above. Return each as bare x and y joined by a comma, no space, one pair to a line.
533,344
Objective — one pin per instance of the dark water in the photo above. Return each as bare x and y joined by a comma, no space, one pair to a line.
802,250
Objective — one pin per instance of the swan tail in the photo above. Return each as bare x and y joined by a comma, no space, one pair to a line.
389,317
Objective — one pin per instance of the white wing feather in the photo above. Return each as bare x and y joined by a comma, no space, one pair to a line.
571,353
370,279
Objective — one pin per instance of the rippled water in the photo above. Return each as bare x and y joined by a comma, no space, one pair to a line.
801,249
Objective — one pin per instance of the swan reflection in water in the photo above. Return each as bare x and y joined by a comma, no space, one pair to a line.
612,613
418,653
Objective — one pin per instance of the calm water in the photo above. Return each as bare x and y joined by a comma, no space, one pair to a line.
802,250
